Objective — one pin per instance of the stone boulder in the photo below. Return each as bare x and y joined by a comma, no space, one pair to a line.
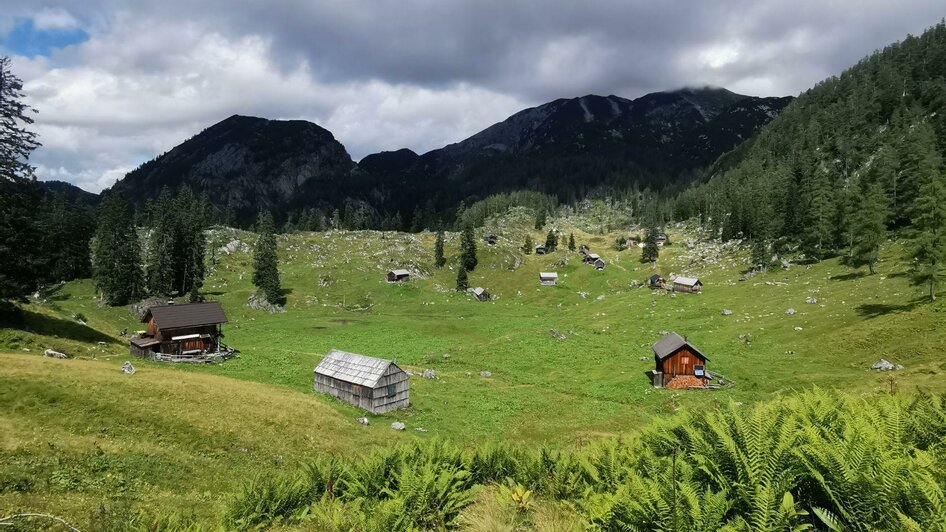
127,368
397,425
55,354
363,420
726,312
885,365
259,302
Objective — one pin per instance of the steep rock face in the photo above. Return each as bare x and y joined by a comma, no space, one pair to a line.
246,163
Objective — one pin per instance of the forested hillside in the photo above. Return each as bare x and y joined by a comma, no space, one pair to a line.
849,159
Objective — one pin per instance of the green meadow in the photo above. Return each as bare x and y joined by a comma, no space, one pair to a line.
83,440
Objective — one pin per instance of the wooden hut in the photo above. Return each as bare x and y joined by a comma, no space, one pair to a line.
656,281
180,331
399,276
599,264
490,239
674,357
583,249
687,284
548,278
480,293
661,240
373,384
590,258
540,250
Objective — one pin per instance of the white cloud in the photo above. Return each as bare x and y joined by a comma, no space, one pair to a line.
54,19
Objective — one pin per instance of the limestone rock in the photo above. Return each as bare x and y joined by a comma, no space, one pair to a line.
397,425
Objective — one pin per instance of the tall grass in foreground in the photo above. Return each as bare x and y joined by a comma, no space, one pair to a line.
818,460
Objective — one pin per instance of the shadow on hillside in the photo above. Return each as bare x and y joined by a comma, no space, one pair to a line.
875,310
44,325
849,276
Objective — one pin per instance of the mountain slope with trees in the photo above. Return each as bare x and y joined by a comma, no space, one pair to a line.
871,139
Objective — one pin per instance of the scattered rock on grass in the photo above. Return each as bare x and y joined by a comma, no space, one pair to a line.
885,365
797,328
486,374
127,368
259,302
363,420
430,374
557,334
421,429
811,300
790,312
397,425
726,312
55,354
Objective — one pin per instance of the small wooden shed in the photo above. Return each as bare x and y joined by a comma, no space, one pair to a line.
687,284
490,239
583,249
548,278
399,276
599,264
661,240
675,356
656,281
590,258
374,384
540,250
480,293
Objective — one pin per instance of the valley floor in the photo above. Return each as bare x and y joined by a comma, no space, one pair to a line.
81,437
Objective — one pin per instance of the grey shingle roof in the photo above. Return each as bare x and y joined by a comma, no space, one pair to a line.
187,315
670,343
687,281
356,369
478,291
400,273
548,275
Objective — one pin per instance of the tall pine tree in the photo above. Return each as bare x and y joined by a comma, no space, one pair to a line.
929,225
439,259
650,251
117,253
468,258
528,246
571,241
20,256
462,279
265,261
868,226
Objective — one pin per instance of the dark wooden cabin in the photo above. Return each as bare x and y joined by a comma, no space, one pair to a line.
540,250
590,258
399,276
656,281
599,264
490,239
373,384
675,356
188,330
583,249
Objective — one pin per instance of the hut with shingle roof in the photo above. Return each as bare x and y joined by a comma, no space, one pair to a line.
374,384
675,356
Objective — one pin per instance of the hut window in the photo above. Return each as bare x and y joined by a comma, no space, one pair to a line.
392,390
685,360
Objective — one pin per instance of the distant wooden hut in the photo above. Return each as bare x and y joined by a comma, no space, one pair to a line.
490,239
661,240
373,384
687,284
180,331
399,276
480,293
599,264
548,278
540,250
631,242
674,356
656,281
590,258
583,249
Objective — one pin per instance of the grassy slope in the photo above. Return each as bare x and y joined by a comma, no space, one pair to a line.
542,389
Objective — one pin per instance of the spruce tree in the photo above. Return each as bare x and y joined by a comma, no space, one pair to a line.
868,227
20,256
439,259
651,251
117,253
462,279
540,219
468,249
929,226
817,215
265,262
529,245
571,241
162,261
551,242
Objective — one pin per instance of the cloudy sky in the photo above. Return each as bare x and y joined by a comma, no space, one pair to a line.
117,82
